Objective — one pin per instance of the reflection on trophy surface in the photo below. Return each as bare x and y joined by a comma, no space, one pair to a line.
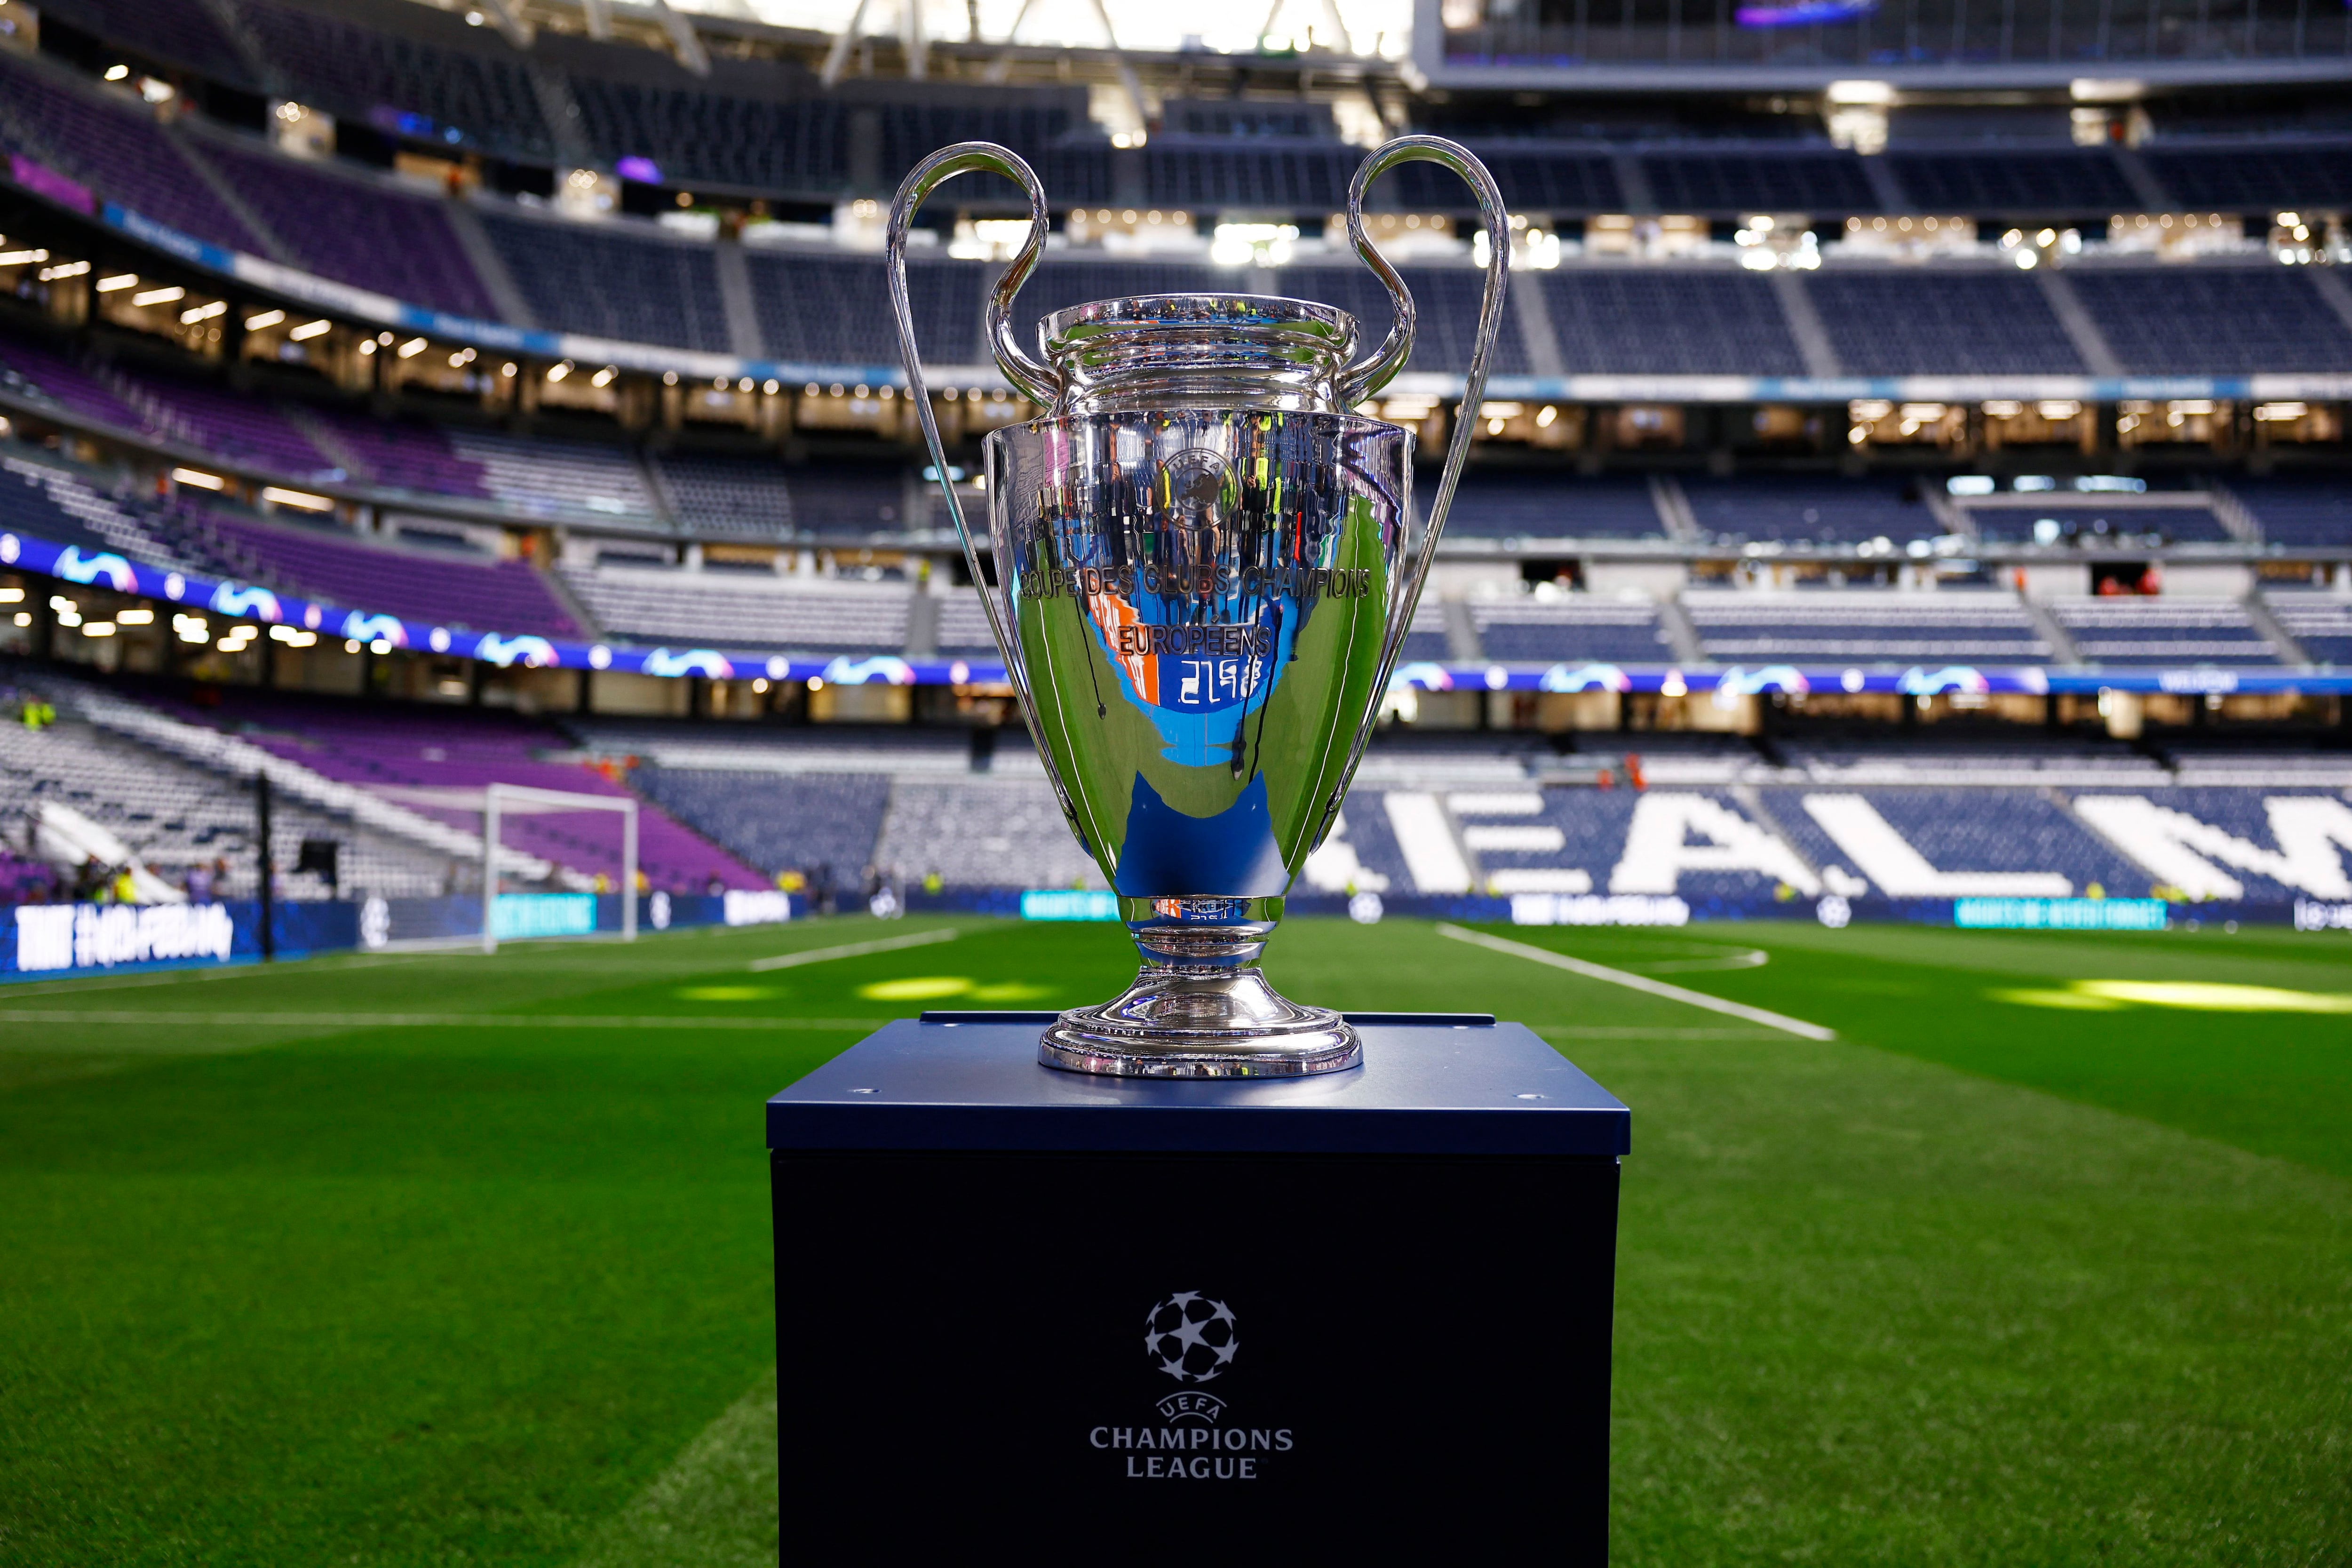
1202,574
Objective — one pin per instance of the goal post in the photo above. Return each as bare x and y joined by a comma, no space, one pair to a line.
503,800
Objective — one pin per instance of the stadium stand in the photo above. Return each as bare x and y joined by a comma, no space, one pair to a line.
34,370
2227,842
1565,180
1570,628
406,455
1907,324
2298,511
726,495
180,32
1501,503
1728,183
855,499
2215,320
1531,628
203,415
963,629
2252,176
110,142
2186,523
174,815
1033,124
1700,844
365,234
59,504
1360,853
552,479
1303,180
2040,184
820,310
437,588
2320,622
1962,842
977,833
635,284
2175,630
715,138
2022,757
405,747
409,69
1952,626
777,822
1445,303
1823,510
1682,321
743,609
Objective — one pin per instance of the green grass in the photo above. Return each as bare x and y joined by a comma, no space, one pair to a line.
1983,1280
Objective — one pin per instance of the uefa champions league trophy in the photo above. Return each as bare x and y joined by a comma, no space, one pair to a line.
1203,576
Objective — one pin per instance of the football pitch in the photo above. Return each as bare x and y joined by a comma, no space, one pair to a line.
2044,1255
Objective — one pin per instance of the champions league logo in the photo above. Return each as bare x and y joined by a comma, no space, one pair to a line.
1191,1337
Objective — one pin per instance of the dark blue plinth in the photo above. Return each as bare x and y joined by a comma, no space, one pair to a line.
952,1081
1402,1274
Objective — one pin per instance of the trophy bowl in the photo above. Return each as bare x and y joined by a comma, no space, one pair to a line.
1204,562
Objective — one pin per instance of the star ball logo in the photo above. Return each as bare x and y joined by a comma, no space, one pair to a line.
1190,1337
1193,1337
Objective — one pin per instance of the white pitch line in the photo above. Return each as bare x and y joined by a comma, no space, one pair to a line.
1638,982
852,950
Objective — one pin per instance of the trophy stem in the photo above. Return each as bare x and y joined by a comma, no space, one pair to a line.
1200,1008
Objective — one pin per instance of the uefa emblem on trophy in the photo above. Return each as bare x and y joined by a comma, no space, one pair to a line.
1205,564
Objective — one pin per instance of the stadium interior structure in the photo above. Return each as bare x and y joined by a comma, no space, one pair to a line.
1915,468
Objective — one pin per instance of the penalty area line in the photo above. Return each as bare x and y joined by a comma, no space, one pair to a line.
852,950
1781,1021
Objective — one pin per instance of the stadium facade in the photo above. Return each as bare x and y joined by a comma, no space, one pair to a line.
1914,472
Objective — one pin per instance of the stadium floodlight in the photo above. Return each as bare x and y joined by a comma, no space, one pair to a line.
265,320
310,330
194,314
64,269
117,73
411,348
20,257
121,280
167,296
137,615
302,500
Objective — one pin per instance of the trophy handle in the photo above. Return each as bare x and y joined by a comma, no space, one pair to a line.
1377,369
1035,381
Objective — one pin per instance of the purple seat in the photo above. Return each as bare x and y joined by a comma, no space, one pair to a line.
486,596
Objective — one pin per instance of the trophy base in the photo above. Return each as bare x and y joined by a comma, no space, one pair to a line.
1222,1023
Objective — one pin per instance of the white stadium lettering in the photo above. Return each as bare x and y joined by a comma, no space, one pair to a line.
1658,848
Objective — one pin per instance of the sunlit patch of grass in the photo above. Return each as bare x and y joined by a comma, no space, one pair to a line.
916,988
2200,996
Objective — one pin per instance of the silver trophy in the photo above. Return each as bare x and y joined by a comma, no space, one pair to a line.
1205,567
